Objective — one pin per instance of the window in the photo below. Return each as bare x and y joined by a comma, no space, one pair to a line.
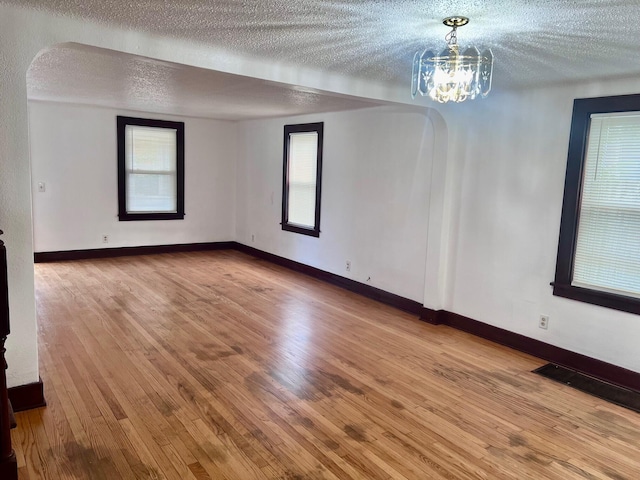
302,178
599,247
150,169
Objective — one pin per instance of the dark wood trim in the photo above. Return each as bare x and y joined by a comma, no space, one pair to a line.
8,464
572,188
27,397
122,123
434,317
575,361
597,297
368,291
290,227
288,130
5,328
583,108
40,257
140,217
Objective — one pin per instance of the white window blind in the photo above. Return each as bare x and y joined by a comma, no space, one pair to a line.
608,245
303,163
151,169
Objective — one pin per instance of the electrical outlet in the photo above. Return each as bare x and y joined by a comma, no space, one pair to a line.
544,321
348,266
105,238
42,187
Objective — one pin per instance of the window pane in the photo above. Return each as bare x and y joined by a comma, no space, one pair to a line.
608,242
151,193
151,160
303,162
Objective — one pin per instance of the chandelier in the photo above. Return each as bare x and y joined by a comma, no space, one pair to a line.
451,76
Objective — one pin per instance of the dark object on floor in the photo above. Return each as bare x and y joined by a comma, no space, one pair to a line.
12,417
612,393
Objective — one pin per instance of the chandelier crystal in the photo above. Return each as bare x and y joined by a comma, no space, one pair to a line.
451,76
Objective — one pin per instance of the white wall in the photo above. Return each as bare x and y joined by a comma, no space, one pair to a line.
74,152
504,182
26,31
506,218
375,196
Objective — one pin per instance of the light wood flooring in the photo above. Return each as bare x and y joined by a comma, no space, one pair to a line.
216,365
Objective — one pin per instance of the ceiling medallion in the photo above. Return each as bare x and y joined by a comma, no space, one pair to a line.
450,76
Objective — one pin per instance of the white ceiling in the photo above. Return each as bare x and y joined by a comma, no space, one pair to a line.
533,41
96,76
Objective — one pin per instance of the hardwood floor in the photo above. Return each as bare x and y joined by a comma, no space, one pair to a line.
216,365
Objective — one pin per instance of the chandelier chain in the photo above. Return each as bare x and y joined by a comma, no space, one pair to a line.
452,37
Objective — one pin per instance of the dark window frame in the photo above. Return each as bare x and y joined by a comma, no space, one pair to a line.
288,130
123,214
583,108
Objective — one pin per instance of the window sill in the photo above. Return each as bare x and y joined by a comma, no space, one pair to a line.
129,217
596,297
302,230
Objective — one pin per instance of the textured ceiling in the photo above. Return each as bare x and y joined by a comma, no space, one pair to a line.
534,41
96,76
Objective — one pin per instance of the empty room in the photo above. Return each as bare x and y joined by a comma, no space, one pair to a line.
319,240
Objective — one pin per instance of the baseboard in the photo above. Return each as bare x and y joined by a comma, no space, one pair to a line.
566,358
368,291
434,317
26,397
40,257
